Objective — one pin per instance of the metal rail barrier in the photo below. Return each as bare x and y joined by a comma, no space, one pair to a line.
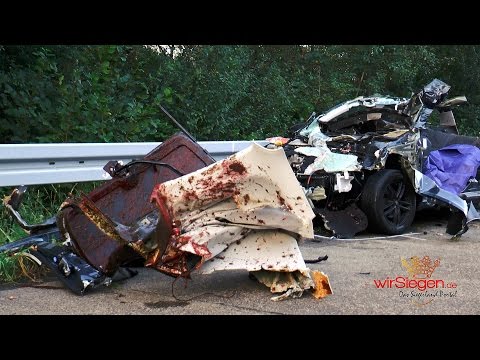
36,164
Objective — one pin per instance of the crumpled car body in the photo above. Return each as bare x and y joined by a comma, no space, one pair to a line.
362,163
91,239
244,212
178,211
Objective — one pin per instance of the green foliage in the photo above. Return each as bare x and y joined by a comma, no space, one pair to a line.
80,94
112,93
9,268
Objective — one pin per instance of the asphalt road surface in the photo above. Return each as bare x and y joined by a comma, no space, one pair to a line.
352,267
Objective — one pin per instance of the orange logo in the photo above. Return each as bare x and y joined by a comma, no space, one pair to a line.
420,268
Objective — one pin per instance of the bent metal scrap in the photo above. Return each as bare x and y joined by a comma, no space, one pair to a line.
245,212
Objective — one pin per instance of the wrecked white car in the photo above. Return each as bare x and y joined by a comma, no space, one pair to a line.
373,161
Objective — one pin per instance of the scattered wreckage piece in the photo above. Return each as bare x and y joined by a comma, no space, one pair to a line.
371,153
464,212
267,254
24,243
245,212
12,203
345,222
74,272
125,200
75,235
322,284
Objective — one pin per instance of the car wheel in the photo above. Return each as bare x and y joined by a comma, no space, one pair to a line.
389,201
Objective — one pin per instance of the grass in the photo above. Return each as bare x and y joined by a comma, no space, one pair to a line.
39,203
9,268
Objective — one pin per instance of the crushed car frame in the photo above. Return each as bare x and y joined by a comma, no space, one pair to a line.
373,161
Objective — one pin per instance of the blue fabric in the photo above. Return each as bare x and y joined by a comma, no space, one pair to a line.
451,167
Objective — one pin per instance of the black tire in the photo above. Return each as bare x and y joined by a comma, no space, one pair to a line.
389,201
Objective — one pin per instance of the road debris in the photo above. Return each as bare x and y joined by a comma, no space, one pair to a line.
176,211
322,285
317,260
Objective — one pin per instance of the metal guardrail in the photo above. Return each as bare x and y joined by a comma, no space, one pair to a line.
36,164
